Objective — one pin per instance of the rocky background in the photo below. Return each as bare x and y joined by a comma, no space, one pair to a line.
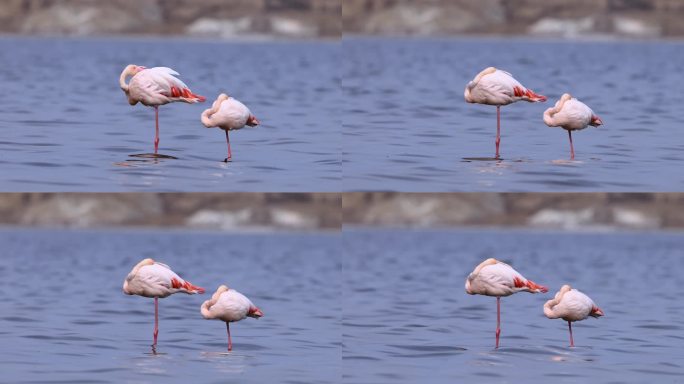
211,18
574,211
559,18
215,211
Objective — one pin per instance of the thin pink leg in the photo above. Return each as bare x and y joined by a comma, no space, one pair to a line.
230,342
156,131
498,129
156,320
230,154
572,148
498,320
572,342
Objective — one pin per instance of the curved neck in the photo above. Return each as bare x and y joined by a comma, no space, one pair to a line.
122,79
204,309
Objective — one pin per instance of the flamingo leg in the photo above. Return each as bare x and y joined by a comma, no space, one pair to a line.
230,154
572,149
498,129
156,131
156,320
572,342
230,342
498,320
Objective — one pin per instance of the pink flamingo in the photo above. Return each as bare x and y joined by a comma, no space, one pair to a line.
571,305
230,306
494,278
228,114
496,87
571,115
153,279
154,87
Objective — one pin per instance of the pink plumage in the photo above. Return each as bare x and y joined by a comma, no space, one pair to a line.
154,87
230,306
571,305
571,115
228,114
498,279
496,87
153,279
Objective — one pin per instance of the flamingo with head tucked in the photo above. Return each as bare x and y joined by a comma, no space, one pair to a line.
154,87
153,279
496,87
228,114
571,305
498,279
571,115
230,306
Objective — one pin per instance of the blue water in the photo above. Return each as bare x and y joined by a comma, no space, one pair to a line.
65,319
407,127
65,125
407,318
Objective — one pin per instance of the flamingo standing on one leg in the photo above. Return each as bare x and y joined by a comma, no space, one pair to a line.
229,305
496,87
228,114
571,115
154,87
571,305
153,279
495,278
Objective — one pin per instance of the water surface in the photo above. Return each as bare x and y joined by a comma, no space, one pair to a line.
65,125
407,127
65,319
407,318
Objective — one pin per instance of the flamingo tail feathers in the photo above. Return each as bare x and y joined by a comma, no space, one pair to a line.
531,96
534,287
187,94
188,286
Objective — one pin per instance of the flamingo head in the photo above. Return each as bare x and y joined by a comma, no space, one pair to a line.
133,69
596,312
252,121
595,121
255,312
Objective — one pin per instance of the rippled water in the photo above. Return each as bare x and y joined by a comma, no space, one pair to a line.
64,318
407,127
407,318
66,126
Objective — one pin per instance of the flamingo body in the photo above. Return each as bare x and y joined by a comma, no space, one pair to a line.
498,279
153,279
228,114
229,305
496,87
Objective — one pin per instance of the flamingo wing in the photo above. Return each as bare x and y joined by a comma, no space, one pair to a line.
574,115
232,114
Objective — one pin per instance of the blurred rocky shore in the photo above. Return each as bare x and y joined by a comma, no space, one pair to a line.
213,211
551,18
573,211
204,18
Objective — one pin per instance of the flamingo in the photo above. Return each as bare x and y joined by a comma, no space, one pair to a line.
154,87
154,279
228,114
571,305
496,87
571,115
230,306
495,278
